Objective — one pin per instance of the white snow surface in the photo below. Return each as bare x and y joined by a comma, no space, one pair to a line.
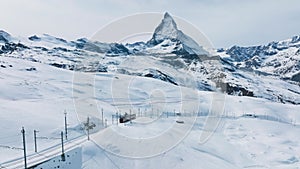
252,133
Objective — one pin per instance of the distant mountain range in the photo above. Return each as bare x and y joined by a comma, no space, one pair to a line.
268,71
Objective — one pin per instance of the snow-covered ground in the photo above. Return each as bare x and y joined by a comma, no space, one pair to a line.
238,143
248,133
36,100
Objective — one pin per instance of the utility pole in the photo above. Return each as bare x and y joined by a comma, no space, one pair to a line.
88,127
102,117
117,118
66,125
130,115
63,158
35,143
151,112
24,147
139,110
62,142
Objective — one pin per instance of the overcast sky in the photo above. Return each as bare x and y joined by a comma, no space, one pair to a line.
224,22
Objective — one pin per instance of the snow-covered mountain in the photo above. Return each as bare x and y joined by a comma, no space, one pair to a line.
4,37
267,71
276,63
167,34
276,58
162,80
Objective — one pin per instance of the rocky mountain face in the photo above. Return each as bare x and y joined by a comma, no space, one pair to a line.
275,61
268,71
276,58
167,34
4,37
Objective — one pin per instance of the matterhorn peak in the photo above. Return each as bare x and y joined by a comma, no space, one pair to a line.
167,30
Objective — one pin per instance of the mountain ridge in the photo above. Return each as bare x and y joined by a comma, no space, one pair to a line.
268,71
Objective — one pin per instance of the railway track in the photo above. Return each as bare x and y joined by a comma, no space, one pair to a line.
44,155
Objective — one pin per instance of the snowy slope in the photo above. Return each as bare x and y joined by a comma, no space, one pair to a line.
36,99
